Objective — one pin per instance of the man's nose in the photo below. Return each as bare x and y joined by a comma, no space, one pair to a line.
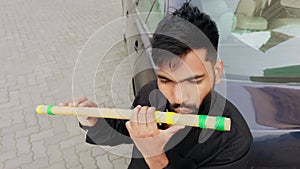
178,94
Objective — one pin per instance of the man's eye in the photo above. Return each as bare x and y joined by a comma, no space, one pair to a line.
165,81
195,81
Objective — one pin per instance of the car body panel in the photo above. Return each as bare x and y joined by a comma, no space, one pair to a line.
272,110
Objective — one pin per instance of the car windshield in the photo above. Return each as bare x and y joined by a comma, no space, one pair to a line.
259,44
258,39
264,35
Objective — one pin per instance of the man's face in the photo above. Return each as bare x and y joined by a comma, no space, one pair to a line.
186,85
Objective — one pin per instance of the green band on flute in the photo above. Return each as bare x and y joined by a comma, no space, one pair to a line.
169,117
202,121
220,123
49,110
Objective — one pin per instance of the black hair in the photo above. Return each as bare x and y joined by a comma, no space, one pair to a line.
187,28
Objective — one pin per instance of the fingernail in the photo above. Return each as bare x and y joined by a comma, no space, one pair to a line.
137,107
152,109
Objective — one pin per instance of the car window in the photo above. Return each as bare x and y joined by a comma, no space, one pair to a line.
259,46
258,39
152,12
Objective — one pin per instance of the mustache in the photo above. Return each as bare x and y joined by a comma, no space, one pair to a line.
189,106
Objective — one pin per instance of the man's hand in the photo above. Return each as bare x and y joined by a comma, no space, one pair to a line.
83,102
148,138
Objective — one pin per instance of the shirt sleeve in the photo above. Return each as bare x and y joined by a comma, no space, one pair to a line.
109,132
113,132
178,162
229,151
223,161
234,160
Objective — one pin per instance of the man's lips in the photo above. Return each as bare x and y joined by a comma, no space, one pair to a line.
183,110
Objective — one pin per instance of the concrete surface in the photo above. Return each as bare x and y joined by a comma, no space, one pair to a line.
40,42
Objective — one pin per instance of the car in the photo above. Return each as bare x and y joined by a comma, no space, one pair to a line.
259,45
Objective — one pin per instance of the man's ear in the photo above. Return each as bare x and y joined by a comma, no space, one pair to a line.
218,68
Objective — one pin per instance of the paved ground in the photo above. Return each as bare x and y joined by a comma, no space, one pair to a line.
40,42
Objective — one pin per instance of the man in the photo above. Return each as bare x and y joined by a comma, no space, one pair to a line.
184,51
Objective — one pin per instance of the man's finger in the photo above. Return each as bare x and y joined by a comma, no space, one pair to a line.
63,104
168,133
173,129
142,116
82,118
128,126
87,104
134,116
87,121
151,117
78,101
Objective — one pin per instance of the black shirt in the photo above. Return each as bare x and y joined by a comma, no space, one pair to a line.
191,147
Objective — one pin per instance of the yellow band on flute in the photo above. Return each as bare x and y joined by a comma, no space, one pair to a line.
156,116
38,109
169,117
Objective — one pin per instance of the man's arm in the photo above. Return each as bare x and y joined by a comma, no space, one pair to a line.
109,132
149,140
100,131
182,163
115,130
223,150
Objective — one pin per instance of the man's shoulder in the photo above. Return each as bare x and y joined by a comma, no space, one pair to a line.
238,123
142,97
148,87
229,109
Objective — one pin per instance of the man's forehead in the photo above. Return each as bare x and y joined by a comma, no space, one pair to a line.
193,61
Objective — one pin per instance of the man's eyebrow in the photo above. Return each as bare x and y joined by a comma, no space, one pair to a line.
193,78
163,77
186,79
